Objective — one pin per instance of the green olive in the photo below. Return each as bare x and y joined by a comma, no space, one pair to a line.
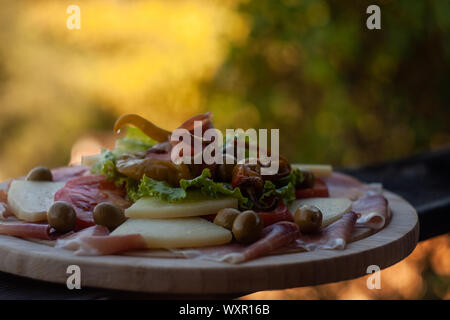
308,179
247,227
225,217
62,216
308,218
108,215
40,174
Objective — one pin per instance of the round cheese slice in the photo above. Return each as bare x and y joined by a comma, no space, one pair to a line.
176,233
332,208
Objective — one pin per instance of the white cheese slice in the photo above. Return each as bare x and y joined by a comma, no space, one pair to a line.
30,200
319,170
154,208
176,233
332,208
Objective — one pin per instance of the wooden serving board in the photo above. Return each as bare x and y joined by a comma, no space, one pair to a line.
199,277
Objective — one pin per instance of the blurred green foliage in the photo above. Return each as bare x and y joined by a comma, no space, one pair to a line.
340,93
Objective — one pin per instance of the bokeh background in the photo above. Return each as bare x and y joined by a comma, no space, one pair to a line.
338,92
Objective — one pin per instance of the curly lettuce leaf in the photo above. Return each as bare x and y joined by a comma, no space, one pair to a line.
149,187
287,192
287,189
204,183
106,165
214,189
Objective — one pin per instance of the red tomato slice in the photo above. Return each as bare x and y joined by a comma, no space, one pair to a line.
85,192
320,189
281,213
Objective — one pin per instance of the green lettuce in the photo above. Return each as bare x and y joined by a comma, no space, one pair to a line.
149,187
134,141
106,165
213,189
204,183
285,189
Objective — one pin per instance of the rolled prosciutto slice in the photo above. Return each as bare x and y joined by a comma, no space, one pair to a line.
369,203
95,241
28,230
373,211
335,236
273,237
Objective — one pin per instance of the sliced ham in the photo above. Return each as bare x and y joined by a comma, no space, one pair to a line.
373,211
95,240
85,192
27,230
335,236
205,119
273,237
343,186
69,172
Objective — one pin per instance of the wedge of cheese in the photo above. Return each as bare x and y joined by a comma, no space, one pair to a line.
30,200
332,208
176,233
154,208
319,170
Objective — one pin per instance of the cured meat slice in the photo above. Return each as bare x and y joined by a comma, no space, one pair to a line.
69,172
85,192
190,125
372,210
162,151
96,240
273,237
343,186
28,230
205,119
335,236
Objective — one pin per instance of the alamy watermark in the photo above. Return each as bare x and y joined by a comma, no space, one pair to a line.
74,20
74,278
240,146
374,20
374,280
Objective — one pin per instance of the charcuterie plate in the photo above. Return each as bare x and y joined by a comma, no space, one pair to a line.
166,275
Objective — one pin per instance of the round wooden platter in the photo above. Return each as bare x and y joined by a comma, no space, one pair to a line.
172,276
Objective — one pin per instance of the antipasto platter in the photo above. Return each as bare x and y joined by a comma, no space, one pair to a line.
136,218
